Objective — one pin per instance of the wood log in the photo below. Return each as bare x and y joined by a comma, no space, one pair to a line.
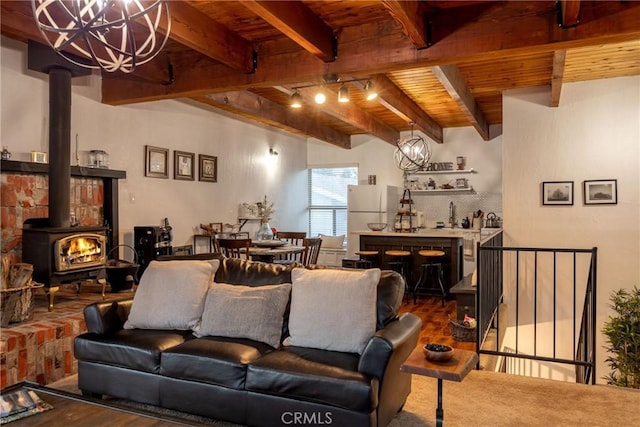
20,274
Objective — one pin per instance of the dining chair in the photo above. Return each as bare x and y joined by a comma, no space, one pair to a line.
311,250
293,238
235,248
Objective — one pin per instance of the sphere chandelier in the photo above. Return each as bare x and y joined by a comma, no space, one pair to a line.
412,154
112,35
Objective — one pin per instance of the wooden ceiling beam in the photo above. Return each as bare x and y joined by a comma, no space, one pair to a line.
299,23
410,16
520,31
570,13
455,84
395,100
348,113
557,76
195,30
249,104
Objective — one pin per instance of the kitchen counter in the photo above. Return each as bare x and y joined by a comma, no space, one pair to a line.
433,232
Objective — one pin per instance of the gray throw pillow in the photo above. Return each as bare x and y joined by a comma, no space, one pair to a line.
253,312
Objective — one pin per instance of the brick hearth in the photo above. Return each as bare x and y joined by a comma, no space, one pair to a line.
41,349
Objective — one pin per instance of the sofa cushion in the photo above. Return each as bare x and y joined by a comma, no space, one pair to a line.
180,285
333,309
332,242
245,312
390,294
220,361
313,375
135,349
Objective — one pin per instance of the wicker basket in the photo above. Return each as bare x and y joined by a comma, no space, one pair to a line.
17,303
462,332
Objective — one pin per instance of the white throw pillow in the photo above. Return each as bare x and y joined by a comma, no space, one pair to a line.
171,294
332,242
333,309
253,312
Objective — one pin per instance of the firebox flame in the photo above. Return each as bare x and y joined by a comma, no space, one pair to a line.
81,250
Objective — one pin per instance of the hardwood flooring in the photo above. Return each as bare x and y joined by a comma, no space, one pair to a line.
435,321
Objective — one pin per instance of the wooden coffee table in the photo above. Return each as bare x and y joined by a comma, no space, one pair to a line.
455,369
71,409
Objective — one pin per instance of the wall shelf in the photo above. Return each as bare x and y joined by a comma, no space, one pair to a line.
444,190
452,171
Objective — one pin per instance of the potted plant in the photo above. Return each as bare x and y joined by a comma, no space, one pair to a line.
623,339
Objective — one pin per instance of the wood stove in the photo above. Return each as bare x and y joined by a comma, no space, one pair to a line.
57,258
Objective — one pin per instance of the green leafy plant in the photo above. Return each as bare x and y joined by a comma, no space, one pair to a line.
623,339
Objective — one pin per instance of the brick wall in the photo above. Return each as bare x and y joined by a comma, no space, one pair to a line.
24,196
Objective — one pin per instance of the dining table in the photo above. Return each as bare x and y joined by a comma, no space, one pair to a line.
268,251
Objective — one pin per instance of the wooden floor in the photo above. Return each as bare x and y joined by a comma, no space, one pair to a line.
435,321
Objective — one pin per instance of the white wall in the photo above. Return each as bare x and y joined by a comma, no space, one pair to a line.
244,173
594,134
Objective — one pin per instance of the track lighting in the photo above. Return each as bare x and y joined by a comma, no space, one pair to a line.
343,93
370,91
296,100
320,97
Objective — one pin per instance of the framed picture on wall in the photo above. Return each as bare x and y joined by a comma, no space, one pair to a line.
156,160
601,192
208,168
183,165
557,193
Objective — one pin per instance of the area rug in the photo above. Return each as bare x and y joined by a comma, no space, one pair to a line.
487,399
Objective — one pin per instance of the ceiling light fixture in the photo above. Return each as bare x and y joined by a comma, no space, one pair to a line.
412,153
370,91
101,31
296,100
320,97
343,93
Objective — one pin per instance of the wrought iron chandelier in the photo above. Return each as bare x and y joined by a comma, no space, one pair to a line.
412,154
112,35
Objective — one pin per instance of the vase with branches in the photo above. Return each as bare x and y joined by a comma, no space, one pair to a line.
263,210
623,339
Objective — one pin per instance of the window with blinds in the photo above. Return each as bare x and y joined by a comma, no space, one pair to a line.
328,199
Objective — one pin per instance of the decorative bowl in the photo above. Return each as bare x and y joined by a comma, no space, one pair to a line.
437,352
377,226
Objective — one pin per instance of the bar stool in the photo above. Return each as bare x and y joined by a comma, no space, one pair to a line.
367,258
431,256
399,263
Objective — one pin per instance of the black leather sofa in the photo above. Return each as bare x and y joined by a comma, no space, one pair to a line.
249,382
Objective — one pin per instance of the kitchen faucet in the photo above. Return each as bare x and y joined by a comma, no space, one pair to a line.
452,215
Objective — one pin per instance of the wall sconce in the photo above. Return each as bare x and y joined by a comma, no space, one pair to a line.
273,152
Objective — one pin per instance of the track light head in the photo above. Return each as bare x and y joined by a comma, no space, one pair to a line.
320,97
296,100
343,93
370,91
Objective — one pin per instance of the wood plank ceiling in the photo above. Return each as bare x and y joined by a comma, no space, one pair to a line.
435,64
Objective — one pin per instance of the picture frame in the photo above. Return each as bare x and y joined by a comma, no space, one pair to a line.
156,160
557,193
208,168
600,192
216,227
39,157
183,165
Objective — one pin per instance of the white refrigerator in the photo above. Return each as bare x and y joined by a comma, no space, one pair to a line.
369,203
